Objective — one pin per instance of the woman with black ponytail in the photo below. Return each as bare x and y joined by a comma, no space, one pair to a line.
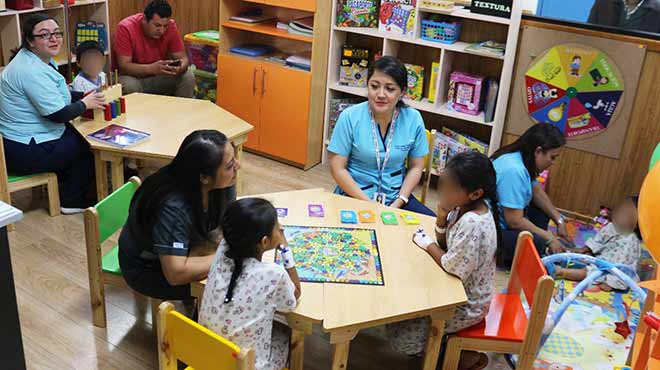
467,235
242,292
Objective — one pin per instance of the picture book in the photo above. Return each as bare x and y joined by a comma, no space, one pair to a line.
357,13
444,150
487,48
415,89
435,74
466,140
119,136
354,66
335,254
336,107
397,16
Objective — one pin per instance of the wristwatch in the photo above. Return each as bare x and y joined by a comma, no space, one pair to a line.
561,219
404,199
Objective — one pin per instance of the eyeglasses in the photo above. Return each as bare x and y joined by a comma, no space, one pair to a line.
48,35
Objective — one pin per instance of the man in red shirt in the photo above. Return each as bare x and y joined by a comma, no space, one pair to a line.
150,55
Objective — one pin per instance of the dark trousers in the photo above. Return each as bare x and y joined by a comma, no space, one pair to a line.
510,237
68,157
416,206
151,281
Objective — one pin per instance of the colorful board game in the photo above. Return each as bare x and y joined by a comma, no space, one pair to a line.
335,254
574,87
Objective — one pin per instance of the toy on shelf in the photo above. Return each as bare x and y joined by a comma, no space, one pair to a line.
603,217
438,30
397,16
440,5
357,13
115,104
435,74
91,30
465,93
415,88
354,67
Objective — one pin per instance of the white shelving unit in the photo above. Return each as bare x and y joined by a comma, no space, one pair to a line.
447,54
81,10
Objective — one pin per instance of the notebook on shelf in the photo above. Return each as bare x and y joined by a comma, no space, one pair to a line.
119,136
252,50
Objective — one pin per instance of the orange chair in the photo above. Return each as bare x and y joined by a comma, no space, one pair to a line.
506,328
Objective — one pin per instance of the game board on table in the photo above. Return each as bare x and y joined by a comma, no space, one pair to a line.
335,254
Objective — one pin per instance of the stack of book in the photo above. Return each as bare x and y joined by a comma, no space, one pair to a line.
302,61
302,26
448,143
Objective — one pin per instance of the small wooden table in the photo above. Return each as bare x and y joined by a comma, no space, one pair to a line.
414,285
169,120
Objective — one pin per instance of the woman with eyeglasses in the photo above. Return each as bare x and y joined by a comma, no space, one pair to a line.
35,109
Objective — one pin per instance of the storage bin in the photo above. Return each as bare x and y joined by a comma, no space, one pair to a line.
202,49
444,32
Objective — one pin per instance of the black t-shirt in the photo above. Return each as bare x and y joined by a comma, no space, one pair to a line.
171,234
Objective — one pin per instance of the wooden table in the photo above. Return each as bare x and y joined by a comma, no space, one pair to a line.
414,285
169,120
10,334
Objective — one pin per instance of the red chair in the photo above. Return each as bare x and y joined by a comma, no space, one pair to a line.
506,328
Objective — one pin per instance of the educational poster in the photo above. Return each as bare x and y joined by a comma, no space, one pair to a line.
335,254
583,85
397,16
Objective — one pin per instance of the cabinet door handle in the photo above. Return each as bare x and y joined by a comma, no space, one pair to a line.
254,82
263,82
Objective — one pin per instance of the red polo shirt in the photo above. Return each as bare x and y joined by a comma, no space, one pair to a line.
131,41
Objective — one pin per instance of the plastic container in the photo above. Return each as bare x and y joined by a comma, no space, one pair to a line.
202,49
206,85
444,32
20,4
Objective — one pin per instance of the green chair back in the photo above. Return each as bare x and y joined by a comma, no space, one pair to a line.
113,210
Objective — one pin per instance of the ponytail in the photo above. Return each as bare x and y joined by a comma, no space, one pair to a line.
244,224
493,200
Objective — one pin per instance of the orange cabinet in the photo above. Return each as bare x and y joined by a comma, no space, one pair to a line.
272,98
239,81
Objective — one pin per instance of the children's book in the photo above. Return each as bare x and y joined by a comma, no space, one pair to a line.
467,140
435,74
119,136
357,13
444,150
487,48
415,89
397,16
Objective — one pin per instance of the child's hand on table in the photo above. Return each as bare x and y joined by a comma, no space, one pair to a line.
422,239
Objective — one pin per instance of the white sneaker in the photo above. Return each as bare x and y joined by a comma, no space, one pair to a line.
71,211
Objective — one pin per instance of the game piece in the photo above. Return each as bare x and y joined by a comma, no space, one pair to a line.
389,218
282,212
410,218
465,93
335,254
315,210
348,217
366,216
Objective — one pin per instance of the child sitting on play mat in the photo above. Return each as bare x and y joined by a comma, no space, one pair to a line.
467,236
618,242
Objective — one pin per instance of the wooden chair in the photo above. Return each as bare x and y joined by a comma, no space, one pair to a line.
428,162
11,183
506,328
180,338
102,221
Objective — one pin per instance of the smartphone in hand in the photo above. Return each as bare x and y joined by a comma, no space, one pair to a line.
175,63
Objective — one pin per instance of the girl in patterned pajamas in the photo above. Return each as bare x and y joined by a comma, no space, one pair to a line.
467,237
242,292
618,242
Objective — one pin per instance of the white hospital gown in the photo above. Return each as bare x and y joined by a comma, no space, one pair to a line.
471,247
614,247
261,289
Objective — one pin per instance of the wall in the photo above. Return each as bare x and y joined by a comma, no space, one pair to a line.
202,16
582,181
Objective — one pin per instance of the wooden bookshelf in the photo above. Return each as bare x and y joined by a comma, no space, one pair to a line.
267,28
284,104
450,57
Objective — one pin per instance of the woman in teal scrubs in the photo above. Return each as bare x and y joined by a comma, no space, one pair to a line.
524,204
372,140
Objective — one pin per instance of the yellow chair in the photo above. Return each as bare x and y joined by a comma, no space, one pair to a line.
180,338
11,183
102,221
428,162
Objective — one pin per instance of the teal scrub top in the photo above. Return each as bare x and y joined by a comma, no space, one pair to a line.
29,90
353,138
514,186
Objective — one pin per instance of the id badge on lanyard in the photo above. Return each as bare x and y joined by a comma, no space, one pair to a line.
379,196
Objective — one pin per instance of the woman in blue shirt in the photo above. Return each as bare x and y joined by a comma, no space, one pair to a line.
35,108
524,205
372,140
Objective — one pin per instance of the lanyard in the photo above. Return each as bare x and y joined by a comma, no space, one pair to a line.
388,147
